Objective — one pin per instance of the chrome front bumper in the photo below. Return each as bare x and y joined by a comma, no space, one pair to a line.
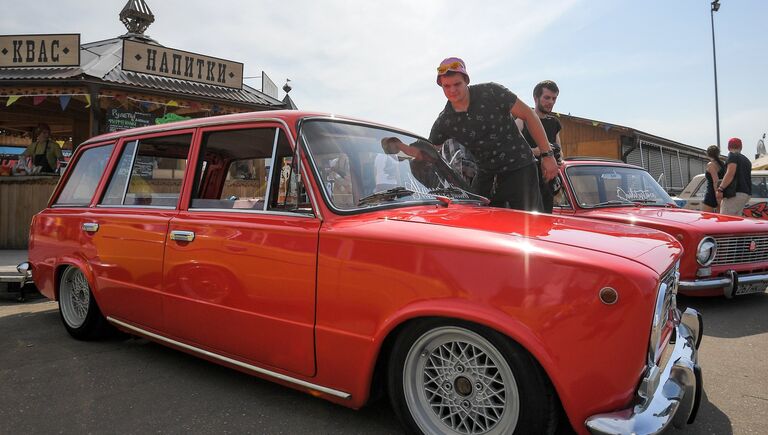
23,277
728,283
677,392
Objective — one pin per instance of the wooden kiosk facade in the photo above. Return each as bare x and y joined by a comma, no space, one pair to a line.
672,163
81,90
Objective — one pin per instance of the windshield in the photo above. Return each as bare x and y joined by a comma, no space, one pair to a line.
599,186
362,166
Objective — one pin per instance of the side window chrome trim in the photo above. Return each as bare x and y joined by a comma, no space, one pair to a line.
256,212
160,207
268,193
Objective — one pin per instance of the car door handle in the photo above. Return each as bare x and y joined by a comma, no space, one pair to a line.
183,236
90,227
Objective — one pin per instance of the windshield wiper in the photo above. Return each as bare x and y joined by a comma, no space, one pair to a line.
386,195
452,190
613,202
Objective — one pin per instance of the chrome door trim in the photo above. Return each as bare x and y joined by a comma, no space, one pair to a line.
259,370
182,236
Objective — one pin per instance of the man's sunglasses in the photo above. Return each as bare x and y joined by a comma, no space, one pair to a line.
442,69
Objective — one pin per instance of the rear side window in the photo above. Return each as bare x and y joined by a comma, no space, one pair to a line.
149,172
84,177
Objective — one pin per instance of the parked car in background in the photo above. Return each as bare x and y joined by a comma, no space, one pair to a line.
265,242
724,255
757,207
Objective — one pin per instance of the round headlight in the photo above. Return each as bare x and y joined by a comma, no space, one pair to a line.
706,251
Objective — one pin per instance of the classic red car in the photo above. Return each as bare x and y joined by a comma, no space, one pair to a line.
299,248
724,255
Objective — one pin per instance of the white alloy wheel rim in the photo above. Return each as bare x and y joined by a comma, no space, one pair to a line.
74,297
457,382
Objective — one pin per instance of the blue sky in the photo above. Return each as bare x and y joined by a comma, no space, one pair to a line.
642,64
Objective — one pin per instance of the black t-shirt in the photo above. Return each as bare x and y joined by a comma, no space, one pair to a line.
486,129
552,127
743,177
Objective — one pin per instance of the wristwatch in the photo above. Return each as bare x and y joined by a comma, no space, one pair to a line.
549,153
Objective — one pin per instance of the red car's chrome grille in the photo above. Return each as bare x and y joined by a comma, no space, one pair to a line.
741,249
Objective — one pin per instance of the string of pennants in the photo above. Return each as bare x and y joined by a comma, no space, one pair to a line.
145,105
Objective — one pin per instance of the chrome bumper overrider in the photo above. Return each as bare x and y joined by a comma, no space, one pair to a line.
677,393
729,282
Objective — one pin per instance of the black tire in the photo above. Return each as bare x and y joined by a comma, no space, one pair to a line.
78,308
460,374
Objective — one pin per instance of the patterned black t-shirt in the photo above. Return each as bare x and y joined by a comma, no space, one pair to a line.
486,129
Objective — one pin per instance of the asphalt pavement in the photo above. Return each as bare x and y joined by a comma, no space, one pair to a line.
50,383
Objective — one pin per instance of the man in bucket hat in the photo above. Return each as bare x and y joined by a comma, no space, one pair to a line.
478,116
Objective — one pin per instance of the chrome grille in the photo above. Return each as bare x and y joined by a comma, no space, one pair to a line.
735,249
664,312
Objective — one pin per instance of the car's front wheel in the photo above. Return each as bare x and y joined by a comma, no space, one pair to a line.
79,311
460,378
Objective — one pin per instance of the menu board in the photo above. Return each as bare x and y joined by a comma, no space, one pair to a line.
118,119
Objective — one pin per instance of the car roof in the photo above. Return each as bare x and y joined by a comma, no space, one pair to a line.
289,117
596,161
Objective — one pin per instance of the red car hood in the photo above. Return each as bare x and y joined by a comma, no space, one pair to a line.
650,247
676,219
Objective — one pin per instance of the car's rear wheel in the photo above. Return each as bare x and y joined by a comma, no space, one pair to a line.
460,378
79,311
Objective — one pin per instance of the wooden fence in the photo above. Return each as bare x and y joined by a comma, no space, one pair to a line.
20,199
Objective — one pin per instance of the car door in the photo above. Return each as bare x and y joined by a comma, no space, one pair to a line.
240,265
128,232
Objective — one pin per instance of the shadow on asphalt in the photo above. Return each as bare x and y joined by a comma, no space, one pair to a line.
731,318
710,419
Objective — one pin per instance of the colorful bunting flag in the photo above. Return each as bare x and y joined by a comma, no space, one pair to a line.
64,101
595,123
36,100
88,99
145,106
606,127
172,103
12,99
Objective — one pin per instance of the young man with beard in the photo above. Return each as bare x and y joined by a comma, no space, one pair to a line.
478,117
545,96
738,170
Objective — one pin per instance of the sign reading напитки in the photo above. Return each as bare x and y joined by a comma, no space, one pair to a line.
182,65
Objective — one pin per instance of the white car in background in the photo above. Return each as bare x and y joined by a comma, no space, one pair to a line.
757,207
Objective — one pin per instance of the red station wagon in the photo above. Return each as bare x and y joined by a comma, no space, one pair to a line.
296,247
724,255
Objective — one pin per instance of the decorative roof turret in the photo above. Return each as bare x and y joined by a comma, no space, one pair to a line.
137,17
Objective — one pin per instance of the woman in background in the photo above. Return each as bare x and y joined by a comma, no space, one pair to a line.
713,174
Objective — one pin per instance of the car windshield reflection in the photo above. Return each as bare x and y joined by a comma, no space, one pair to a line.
359,170
615,186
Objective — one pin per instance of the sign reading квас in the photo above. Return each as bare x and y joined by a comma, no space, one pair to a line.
39,50
182,65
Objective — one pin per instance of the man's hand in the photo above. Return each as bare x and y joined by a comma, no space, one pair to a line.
719,196
549,168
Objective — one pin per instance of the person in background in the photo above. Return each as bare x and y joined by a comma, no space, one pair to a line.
478,117
738,170
714,173
44,152
545,95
